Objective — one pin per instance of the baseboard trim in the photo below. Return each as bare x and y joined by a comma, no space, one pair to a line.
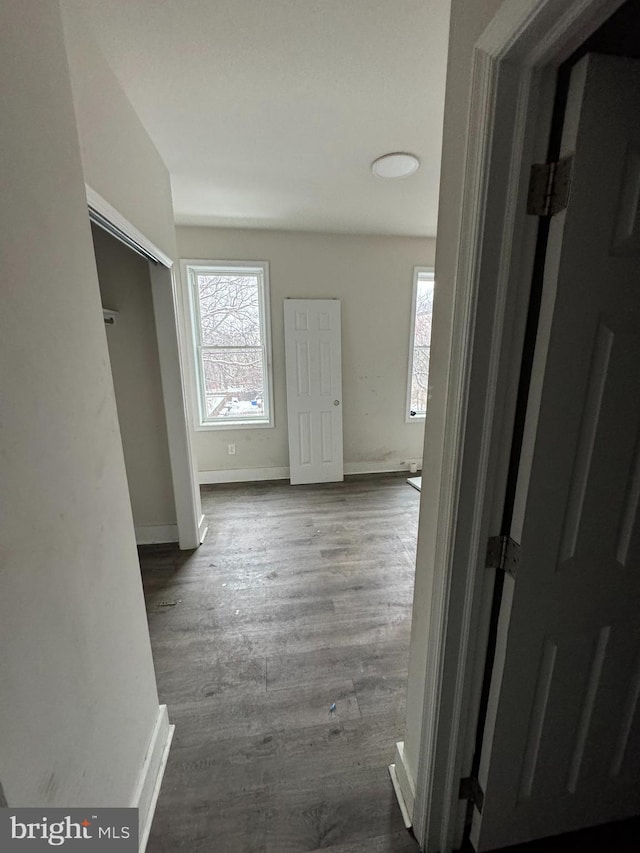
378,467
242,475
415,483
156,534
203,529
150,779
403,784
252,475
399,797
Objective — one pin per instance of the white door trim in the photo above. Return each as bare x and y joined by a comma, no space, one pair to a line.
164,291
107,211
513,81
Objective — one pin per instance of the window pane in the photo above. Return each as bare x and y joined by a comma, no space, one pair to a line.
420,379
233,383
229,309
424,309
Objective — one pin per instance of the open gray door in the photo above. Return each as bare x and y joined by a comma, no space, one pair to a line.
563,731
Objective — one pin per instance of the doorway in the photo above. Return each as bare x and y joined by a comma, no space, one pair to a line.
514,72
125,289
189,519
567,638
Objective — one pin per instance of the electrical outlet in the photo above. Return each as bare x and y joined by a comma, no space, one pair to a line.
232,449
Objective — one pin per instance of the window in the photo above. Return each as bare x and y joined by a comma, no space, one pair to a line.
420,348
229,309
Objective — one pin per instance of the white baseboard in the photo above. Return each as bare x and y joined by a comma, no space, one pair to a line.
203,529
399,797
156,534
150,779
243,475
252,475
378,467
416,483
403,783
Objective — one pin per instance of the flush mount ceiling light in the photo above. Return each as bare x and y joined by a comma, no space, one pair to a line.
396,165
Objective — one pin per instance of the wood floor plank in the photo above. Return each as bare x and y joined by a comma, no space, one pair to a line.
346,807
352,662
239,764
299,598
225,715
382,694
236,824
315,753
397,842
195,673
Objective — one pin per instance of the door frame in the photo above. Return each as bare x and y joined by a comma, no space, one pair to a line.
191,522
512,90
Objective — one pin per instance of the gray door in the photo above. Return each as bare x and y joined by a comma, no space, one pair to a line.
563,736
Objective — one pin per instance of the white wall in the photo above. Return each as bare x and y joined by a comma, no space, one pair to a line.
468,21
123,166
125,287
78,698
373,276
118,158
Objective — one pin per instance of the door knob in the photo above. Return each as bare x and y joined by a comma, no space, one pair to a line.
336,402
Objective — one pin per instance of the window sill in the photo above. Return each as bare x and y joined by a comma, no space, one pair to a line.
233,425
416,419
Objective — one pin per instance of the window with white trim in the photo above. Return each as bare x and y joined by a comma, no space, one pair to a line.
230,324
420,343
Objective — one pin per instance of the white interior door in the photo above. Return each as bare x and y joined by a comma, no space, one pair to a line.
563,735
314,389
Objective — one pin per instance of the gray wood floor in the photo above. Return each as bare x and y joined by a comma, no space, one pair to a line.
300,597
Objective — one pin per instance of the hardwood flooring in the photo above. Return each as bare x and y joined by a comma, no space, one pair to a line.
300,597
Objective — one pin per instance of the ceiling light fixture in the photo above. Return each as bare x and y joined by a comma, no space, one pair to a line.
396,165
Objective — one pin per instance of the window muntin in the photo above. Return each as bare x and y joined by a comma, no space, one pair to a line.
420,345
229,306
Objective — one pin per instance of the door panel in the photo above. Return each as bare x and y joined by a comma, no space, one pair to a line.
314,389
563,723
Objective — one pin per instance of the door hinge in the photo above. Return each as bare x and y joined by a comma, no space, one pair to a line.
503,554
471,790
549,187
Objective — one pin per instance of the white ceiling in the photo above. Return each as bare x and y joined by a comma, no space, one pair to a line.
268,113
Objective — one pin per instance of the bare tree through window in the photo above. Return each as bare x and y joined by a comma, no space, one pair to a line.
421,343
228,308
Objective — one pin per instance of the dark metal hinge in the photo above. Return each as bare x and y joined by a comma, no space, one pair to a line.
470,790
503,554
549,187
